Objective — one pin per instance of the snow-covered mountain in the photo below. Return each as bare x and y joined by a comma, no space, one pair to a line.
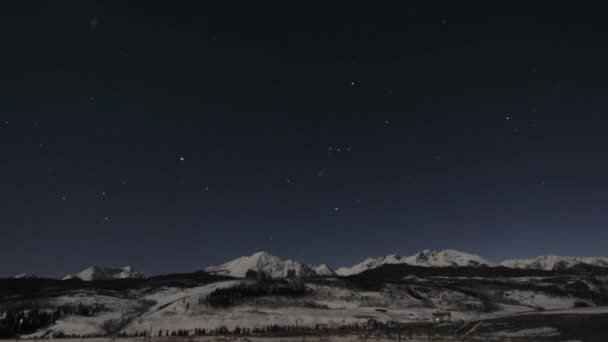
24,275
446,258
370,263
554,262
323,270
426,258
104,273
262,262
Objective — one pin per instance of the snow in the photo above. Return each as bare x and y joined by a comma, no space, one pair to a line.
446,258
541,300
332,305
370,263
554,262
263,262
426,258
323,270
104,273
78,325
331,301
24,275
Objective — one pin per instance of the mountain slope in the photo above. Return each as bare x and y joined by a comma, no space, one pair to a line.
104,273
24,275
446,258
261,262
323,270
426,258
554,262
369,264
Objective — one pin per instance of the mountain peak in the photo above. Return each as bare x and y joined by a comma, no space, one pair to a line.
24,276
554,262
261,262
446,258
323,270
370,263
426,258
105,273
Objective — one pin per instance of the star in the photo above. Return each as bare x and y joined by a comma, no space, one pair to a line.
181,158
352,83
206,188
336,209
321,172
103,194
106,219
508,118
386,122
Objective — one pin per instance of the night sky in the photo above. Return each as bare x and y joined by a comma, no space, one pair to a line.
174,136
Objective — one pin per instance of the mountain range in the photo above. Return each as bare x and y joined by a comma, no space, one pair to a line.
105,273
275,267
426,258
554,262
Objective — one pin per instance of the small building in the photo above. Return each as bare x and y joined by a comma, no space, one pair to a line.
442,316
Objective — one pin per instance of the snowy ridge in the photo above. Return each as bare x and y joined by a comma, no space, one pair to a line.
426,258
554,262
323,270
369,264
446,258
275,267
104,273
25,276
262,262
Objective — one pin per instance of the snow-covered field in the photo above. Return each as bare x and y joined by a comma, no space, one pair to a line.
333,306
353,303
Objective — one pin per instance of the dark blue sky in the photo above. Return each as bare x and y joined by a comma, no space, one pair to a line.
173,137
